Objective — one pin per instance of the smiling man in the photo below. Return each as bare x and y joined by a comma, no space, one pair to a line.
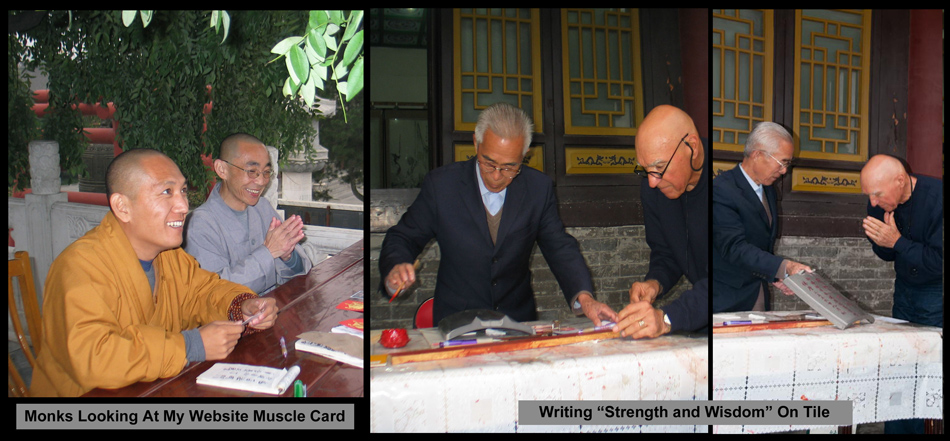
486,214
745,227
124,303
235,235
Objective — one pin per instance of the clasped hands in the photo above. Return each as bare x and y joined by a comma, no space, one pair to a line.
220,337
283,236
884,234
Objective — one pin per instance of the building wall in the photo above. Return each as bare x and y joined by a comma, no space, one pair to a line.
618,256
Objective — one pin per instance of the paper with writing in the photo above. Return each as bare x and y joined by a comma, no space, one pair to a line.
261,379
340,347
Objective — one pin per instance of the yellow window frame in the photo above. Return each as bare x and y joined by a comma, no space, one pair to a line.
802,128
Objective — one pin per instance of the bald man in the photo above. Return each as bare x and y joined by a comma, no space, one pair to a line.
236,236
905,225
675,194
124,303
745,227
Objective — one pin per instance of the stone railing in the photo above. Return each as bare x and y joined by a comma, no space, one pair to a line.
43,223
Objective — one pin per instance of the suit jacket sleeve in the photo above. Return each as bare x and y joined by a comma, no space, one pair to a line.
729,235
561,251
690,311
405,241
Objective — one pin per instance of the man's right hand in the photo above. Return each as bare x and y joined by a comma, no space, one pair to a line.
402,275
644,291
792,267
219,338
282,236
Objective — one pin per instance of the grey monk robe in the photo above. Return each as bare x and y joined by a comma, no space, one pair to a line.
231,243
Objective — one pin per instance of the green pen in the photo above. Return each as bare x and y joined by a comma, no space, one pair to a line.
299,389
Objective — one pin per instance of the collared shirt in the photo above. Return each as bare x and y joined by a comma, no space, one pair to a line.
757,188
492,201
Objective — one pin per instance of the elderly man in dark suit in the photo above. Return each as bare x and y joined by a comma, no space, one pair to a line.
745,227
486,214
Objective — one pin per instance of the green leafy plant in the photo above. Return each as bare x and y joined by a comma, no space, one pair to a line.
21,121
162,74
315,58
344,140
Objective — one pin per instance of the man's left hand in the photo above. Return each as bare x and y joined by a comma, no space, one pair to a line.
784,288
641,320
884,234
266,304
595,310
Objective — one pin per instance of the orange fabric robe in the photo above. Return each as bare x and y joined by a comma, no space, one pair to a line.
103,327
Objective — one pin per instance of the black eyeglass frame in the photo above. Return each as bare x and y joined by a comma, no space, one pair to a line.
643,173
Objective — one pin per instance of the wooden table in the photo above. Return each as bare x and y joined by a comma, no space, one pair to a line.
307,303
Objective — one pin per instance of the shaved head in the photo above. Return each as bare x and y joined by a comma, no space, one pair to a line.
149,198
667,142
230,147
124,174
886,183
663,123
242,165
882,168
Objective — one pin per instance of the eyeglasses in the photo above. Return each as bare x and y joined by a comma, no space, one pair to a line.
507,172
641,172
783,164
253,174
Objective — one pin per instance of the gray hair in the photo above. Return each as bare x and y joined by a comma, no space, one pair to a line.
766,136
507,122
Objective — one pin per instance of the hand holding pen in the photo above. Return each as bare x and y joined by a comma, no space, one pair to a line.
400,277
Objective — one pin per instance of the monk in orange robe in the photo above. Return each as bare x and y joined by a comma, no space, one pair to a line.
124,303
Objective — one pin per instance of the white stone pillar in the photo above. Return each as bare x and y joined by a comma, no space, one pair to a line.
270,192
45,186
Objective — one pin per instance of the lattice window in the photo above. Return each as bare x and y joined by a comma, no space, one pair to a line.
743,42
602,75
497,59
832,71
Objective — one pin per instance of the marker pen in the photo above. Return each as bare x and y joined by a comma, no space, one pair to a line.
475,341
